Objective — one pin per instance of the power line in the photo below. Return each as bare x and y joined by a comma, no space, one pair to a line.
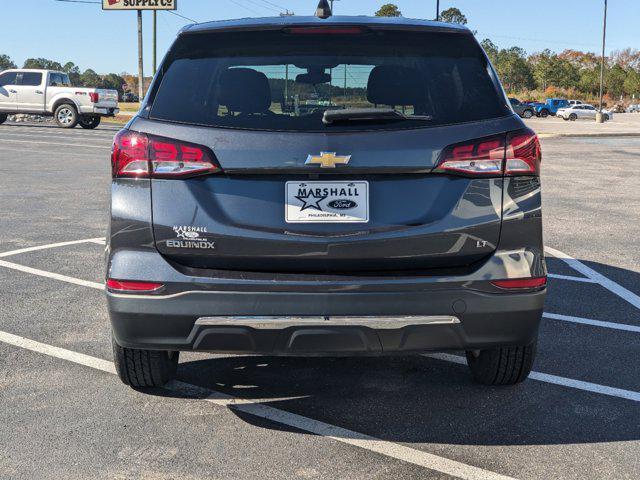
252,10
181,16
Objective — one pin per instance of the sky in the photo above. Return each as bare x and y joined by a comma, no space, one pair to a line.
107,41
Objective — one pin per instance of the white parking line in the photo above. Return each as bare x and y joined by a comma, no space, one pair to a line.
342,435
51,245
571,277
55,276
55,143
589,272
589,321
556,380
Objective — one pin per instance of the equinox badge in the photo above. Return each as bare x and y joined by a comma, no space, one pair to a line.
327,159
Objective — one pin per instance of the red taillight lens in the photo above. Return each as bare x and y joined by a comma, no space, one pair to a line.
480,157
523,153
94,96
518,283
140,155
337,30
516,153
132,286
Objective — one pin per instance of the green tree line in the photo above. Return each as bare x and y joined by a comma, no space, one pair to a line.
570,73
87,78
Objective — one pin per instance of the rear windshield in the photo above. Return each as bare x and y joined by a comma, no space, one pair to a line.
276,80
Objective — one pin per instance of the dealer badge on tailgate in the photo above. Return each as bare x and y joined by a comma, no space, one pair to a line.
327,202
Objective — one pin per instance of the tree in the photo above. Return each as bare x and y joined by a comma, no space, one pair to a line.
113,81
42,63
73,71
389,10
513,69
453,15
6,62
89,78
491,50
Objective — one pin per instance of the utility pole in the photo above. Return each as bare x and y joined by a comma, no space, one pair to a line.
155,27
437,10
599,117
140,64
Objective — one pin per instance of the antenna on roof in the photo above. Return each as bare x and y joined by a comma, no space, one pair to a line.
323,10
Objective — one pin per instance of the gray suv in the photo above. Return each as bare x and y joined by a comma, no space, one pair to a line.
343,186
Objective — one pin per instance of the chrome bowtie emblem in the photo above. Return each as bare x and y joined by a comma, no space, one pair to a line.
327,160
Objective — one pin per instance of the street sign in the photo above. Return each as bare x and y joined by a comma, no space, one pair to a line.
139,4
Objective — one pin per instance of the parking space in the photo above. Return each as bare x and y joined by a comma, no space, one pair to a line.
65,413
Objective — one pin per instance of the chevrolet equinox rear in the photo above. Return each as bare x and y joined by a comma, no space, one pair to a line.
344,186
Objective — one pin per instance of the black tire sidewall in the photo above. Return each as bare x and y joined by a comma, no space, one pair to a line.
73,109
3,117
573,117
92,122
527,114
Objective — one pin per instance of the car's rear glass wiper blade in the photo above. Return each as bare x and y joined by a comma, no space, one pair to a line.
368,115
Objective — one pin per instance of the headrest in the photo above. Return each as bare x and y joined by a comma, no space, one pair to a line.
396,85
244,90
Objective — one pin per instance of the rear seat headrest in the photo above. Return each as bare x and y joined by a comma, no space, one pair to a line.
244,90
396,85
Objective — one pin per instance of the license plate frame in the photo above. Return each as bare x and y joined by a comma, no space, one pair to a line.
340,201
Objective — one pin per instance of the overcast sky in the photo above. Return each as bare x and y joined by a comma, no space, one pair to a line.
107,42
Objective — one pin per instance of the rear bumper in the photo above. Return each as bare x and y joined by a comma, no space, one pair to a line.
102,111
350,323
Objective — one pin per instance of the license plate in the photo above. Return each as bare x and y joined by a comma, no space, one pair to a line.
327,202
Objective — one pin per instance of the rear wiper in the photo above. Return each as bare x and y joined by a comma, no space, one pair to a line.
369,115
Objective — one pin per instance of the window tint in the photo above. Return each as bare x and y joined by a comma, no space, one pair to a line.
8,78
31,78
276,81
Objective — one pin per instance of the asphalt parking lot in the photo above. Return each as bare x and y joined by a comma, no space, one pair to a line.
64,414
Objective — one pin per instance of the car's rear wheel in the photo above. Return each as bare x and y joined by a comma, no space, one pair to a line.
89,122
144,368
66,116
502,365
573,117
606,117
3,117
527,114
544,113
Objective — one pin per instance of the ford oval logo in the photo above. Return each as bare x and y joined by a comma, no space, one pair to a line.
342,204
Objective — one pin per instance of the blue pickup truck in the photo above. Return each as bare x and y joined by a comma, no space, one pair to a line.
550,107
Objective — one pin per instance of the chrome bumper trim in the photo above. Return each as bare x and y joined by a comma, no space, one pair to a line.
279,323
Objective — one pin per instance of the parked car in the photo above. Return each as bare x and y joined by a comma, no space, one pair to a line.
634,108
575,102
130,97
49,93
523,109
550,107
408,221
582,112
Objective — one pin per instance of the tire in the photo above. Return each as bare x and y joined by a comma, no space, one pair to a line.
89,122
502,365
527,114
66,116
144,368
605,117
573,117
3,118
544,113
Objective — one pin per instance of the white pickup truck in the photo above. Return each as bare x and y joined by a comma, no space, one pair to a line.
49,92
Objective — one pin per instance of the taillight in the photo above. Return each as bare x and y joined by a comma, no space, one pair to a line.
326,30
94,96
523,153
141,155
519,283
516,153
132,286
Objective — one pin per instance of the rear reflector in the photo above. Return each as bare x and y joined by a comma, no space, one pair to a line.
137,154
516,153
132,286
517,283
